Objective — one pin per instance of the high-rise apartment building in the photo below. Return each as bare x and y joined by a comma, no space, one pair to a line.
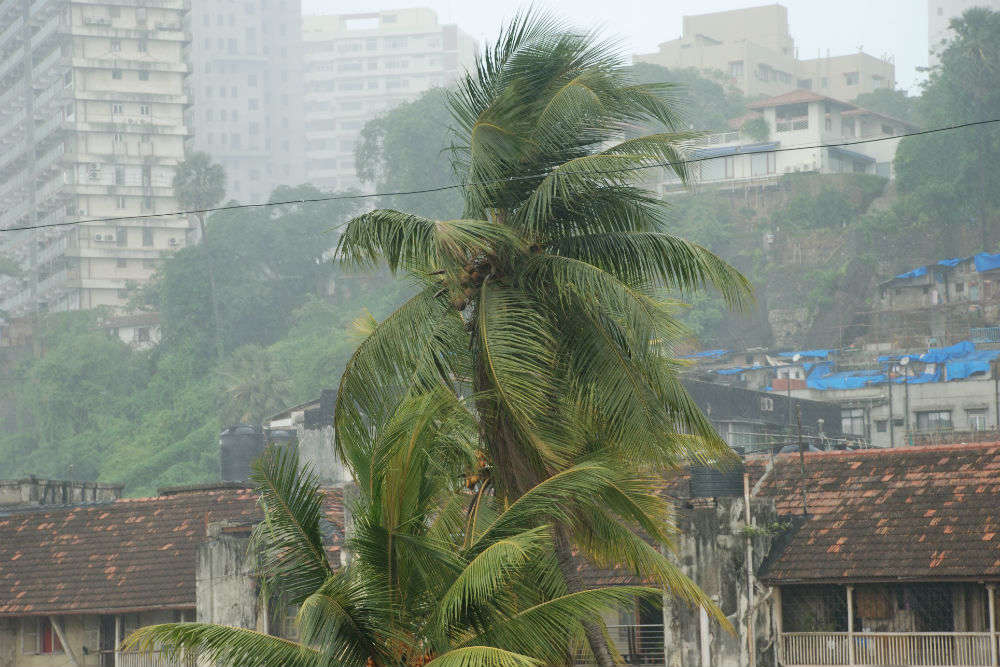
753,50
359,65
246,88
92,97
939,16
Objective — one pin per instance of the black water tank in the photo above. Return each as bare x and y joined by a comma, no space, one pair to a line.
709,482
239,446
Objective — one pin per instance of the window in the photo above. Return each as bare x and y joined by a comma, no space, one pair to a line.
976,419
824,82
959,287
252,104
851,78
852,421
119,175
143,75
120,203
881,425
806,84
38,636
144,109
142,334
116,45
208,114
116,74
121,236
142,46
766,404
122,263
934,420
887,129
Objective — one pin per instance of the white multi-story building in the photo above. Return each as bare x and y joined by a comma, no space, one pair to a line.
359,65
246,88
939,16
753,50
92,97
796,124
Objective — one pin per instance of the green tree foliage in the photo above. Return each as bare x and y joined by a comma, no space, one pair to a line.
947,177
895,103
407,148
431,582
9,267
254,384
703,104
92,408
199,183
546,300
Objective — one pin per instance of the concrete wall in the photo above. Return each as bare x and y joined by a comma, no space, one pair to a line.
711,550
34,491
225,589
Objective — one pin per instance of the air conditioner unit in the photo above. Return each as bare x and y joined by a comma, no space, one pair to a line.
173,242
97,237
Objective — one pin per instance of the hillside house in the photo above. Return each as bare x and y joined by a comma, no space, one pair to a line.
800,118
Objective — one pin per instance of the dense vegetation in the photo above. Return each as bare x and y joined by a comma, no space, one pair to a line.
89,407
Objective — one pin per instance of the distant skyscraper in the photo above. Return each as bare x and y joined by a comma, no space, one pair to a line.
246,85
939,14
92,101
359,65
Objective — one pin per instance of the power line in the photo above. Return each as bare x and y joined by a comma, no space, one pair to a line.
509,179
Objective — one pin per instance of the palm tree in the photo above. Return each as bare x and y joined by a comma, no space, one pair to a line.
199,185
442,575
254,385
549,301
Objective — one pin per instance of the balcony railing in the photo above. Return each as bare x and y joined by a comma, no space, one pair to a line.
636,644
872,649
154,659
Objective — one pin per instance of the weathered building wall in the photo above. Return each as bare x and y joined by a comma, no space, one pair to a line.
226,591
316,450
711,550
35,491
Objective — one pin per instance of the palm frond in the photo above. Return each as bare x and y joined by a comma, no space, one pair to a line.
221,644
483,656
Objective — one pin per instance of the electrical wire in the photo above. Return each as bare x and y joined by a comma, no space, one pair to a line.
509,179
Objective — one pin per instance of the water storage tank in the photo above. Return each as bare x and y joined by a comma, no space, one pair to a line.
709,482
239,445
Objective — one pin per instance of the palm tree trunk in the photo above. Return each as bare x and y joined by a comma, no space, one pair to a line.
592,629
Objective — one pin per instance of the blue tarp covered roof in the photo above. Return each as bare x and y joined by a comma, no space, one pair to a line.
977,362
811,354
723,151
821,377
987,262
943,354
954,261
915,273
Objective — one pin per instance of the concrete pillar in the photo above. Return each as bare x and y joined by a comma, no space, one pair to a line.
850,625
991,601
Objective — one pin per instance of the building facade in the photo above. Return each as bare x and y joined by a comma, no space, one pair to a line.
753,50
801,118
939,16
360,65
246,87
92,98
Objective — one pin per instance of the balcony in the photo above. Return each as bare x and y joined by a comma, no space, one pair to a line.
872,649
154,659
637,645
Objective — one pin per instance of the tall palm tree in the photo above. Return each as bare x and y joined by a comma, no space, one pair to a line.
200,184
430,583
549,301
254,385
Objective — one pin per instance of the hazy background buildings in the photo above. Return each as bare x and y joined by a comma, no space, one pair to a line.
359,65
246,79
939,15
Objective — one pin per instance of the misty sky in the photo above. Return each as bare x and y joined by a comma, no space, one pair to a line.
896,27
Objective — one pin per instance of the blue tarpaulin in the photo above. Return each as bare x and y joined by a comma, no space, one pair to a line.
707,354
730,371
915,273
944,354
976,362
811,354
987,262
821,378
954,261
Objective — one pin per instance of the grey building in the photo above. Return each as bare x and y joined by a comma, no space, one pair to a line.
246,85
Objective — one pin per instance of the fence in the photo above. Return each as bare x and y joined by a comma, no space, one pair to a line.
152,659
871,649
636,644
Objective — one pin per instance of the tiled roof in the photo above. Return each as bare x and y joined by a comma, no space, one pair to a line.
927,513
126,555
796,97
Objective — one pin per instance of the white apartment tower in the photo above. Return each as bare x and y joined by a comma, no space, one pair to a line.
359,65
92,97
246,87
939,16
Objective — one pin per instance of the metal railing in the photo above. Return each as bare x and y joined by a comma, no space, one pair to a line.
872,649
636,644
154,659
